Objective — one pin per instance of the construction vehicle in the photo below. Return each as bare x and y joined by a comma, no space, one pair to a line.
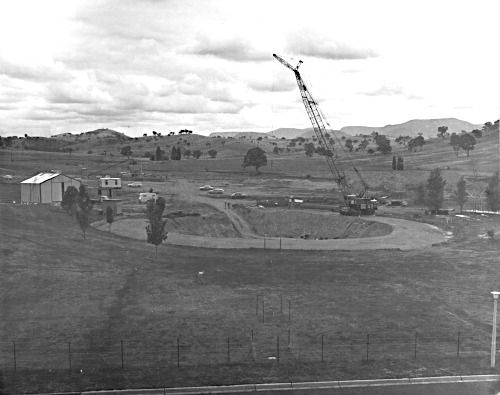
349,180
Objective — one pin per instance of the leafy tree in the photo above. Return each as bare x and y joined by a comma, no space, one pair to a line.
187,153
394,164
370,151
455,142
477,133
310,149
255,157
259,138
276,150
348,145
155,231
467,142
196,154
126,151
212,153
435,190
460,194
493,192
363,145
383,144
442,131
84,209
110,217
68,202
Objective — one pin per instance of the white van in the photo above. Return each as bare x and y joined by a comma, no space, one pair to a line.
146,196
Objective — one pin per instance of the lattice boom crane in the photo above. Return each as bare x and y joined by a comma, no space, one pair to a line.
353,194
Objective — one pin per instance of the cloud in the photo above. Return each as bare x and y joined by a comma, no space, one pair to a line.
310,43
385,91
34,71
235,49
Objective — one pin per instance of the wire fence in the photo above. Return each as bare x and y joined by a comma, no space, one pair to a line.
257,347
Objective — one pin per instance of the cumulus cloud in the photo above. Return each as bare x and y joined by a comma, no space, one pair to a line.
236,49
34,71
314,44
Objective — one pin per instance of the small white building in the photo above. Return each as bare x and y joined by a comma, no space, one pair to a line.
110,183
46,187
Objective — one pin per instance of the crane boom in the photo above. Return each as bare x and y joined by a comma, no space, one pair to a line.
342,176
318,123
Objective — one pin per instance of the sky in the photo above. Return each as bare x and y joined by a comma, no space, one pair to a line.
135,66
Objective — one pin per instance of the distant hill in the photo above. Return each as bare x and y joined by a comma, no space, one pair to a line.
288,133
412,128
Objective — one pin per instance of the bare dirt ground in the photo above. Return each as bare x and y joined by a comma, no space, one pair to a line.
405,234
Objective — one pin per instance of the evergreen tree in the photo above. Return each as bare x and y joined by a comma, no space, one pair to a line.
84,209
110,217
400,165
460,194
435,190
155,231
493,192
68,202
394,165
158,155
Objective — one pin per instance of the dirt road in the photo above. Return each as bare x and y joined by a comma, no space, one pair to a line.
406,235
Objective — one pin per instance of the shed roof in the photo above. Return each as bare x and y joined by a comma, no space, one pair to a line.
40,178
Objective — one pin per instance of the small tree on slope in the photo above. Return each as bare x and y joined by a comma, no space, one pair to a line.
460,194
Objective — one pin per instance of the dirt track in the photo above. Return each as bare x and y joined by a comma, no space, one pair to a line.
406,235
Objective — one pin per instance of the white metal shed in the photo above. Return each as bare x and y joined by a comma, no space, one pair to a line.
46,187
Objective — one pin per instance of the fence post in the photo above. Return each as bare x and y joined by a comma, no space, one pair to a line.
289,311
458,345
281,305
288,337
178,353
322,360
228,351
69,354
263,310
121,348
278,348
367,345
15,359
416,339
257,305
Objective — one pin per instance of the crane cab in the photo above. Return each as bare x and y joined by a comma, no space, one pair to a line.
354,205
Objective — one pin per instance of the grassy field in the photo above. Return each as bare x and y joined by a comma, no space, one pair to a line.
65,300
58,289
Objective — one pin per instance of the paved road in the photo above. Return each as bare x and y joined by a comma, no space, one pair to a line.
478,388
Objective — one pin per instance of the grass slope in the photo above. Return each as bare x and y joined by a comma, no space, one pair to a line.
58,289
